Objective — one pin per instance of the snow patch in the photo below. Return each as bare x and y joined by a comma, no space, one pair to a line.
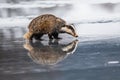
35,4
113,62
13,22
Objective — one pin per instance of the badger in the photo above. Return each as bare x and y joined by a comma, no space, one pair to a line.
48,24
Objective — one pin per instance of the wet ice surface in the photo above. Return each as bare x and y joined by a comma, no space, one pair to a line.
93,57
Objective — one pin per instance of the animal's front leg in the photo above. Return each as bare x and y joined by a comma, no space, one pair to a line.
50,36
55,35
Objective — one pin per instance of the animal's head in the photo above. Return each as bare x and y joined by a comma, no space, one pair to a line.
70,30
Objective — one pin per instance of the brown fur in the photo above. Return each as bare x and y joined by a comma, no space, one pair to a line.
27,35
45,24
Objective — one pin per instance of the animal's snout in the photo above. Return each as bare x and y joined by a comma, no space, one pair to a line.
76,36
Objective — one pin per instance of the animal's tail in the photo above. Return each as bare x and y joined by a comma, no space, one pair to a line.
27,35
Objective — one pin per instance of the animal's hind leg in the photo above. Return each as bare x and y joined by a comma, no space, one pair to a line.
31,37
38,36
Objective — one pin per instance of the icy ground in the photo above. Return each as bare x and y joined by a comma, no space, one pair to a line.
95,57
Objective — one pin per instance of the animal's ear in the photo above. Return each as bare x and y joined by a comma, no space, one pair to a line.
71,24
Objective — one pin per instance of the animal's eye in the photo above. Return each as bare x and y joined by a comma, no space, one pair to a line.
63,25
70,26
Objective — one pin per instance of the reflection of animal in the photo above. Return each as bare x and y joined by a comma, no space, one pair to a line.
48,24
49,54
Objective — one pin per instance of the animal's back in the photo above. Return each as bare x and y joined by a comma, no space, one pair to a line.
44,24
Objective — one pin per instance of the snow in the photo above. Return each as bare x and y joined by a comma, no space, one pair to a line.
86,28
13,22
25,6
98,29
35,4
96,1
90,17
113,62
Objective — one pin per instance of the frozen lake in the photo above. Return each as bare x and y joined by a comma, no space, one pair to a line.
94,55
88,57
